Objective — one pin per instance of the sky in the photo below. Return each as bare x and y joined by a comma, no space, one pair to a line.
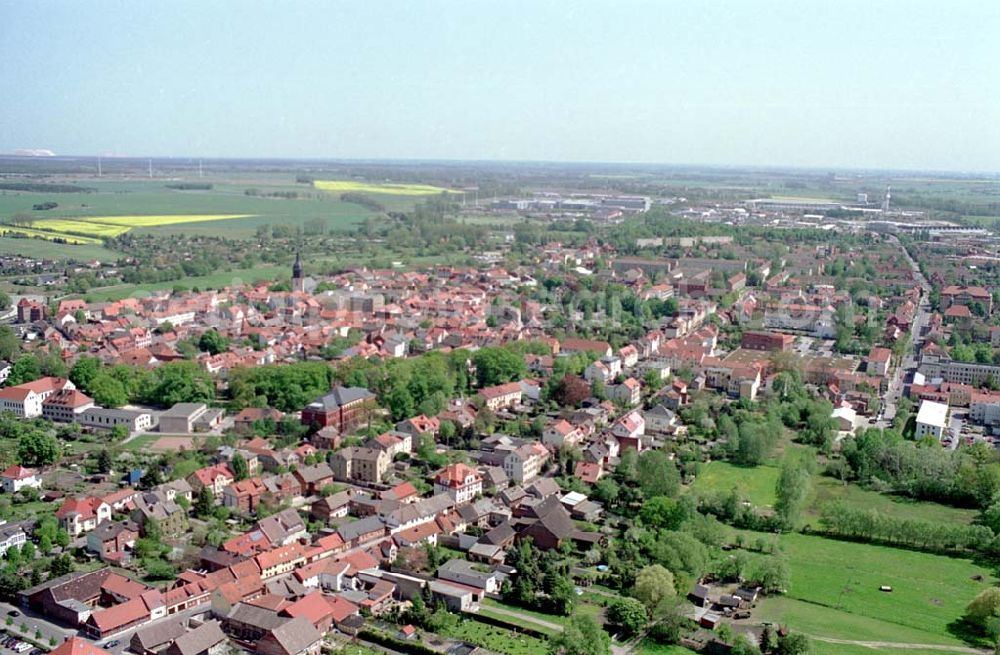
908,84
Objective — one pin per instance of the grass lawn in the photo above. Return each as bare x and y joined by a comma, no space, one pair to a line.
827,489
213,281
834,591
515,623
497,639
587,608
650,647
756,483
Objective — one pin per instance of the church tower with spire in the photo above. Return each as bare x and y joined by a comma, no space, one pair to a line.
298,282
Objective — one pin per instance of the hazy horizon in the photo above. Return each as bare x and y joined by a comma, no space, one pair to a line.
895,86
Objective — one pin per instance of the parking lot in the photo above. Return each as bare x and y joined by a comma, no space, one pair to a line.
36,625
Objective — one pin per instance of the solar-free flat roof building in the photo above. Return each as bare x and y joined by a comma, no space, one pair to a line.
932,419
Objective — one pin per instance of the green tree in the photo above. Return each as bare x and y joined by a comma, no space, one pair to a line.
984,608
743,645
794,643
496,365
10,344
662,512
213,342
628,614
105,461
25,369
658,474
581,636
84,371
38,448
654,588
792,490
204,504
61,565
107,391
179,382
240,468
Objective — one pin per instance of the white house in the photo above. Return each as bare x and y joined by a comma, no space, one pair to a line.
845,417
11,536
462,483
18,477
932,419
660,419
560,433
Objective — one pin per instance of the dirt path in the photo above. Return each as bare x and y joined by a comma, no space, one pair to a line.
896,644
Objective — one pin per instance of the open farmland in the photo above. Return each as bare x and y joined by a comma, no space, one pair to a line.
158,221
349,186
48,236
122,200
70,226
834,592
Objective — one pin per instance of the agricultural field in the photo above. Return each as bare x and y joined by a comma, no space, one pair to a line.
79,226
834,592
46,249
350,186
60,237
133,203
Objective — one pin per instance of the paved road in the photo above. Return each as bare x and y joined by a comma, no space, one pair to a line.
909,362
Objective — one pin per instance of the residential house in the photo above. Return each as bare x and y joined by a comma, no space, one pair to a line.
460,482
244,496
17,477
501,396
525,462
216,477
560,433
361,464
79,515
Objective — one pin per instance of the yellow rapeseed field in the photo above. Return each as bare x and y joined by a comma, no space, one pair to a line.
79,227
92,229
349,186
156,221
50,236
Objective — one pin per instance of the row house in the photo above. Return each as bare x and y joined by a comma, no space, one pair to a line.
501,396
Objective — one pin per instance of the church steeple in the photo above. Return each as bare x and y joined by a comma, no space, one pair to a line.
298,283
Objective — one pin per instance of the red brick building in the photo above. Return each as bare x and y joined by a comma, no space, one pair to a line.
767,341
344,408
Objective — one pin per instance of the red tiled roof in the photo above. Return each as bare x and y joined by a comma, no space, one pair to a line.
17,472
78,646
